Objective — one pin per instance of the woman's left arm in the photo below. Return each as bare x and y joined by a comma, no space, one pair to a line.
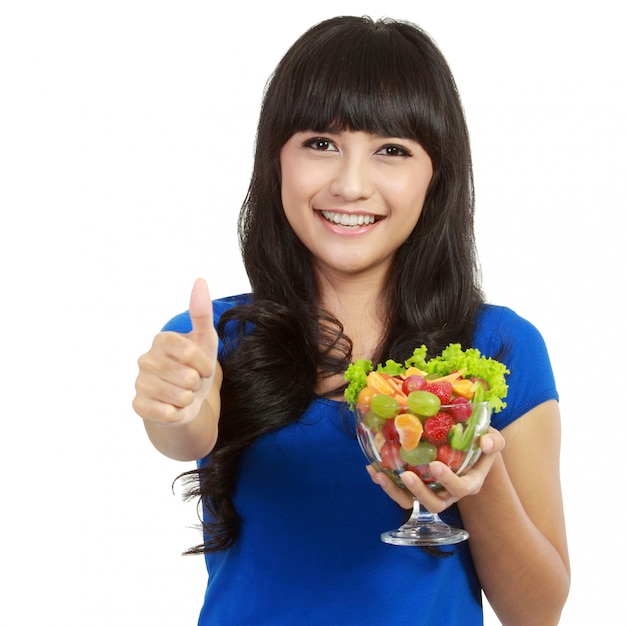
516,523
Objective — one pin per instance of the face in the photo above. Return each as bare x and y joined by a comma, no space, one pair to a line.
353,198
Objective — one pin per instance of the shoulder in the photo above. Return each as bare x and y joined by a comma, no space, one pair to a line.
181,323
498,326
504,335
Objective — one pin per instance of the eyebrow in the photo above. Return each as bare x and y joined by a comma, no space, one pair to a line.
334,130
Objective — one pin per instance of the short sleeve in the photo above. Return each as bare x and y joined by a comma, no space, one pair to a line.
503,335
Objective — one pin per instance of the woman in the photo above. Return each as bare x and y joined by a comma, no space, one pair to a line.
357,236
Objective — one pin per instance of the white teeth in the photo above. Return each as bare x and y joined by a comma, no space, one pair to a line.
348,219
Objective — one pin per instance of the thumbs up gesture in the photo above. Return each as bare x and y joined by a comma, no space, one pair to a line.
178,384
201,312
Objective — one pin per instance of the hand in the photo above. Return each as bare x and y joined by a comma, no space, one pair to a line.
454,487
176,374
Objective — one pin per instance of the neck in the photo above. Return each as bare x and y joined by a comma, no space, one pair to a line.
356,301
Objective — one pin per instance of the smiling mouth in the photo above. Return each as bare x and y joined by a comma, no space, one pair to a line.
349,219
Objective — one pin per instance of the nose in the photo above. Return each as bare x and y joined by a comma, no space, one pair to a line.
352,178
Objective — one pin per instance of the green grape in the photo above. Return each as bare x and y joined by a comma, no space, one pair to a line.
423,403
384,406
374,422
424,453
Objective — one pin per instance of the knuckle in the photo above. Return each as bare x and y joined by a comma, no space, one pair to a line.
186,397
171,415
142,361
136,404
191,379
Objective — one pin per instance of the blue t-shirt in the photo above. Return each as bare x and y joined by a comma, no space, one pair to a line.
310,553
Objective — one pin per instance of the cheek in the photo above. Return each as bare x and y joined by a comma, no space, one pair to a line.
415,193
290,196
286,184
293,199
292,178
409,199
299,188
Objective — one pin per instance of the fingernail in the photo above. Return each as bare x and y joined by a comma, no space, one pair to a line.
408,478
380,478
436,469
487,444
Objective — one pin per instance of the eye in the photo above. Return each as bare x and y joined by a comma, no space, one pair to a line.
394,150
321,144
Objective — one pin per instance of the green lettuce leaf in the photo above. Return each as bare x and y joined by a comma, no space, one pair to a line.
472,363
453,358
356,375
391,367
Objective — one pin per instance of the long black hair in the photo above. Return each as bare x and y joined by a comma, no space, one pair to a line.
386,77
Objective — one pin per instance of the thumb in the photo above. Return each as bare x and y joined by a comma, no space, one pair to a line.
201,313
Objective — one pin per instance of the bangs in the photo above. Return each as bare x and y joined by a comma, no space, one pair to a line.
373,80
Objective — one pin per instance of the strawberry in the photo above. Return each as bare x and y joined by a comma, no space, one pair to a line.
451,457
436,428
442,389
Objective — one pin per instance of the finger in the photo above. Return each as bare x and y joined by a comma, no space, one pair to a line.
460,486
400,496
155,388
434,501
171,360
492,442
156,411
201,313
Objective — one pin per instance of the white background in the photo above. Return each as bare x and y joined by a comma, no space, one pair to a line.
126,135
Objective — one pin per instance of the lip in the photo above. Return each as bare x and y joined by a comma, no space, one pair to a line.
347,230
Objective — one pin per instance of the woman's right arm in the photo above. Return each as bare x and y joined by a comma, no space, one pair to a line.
178,385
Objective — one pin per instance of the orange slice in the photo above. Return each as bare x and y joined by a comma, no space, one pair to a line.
464,388
380,384
410,430
413,371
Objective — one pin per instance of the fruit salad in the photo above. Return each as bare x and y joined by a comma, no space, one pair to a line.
425,409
